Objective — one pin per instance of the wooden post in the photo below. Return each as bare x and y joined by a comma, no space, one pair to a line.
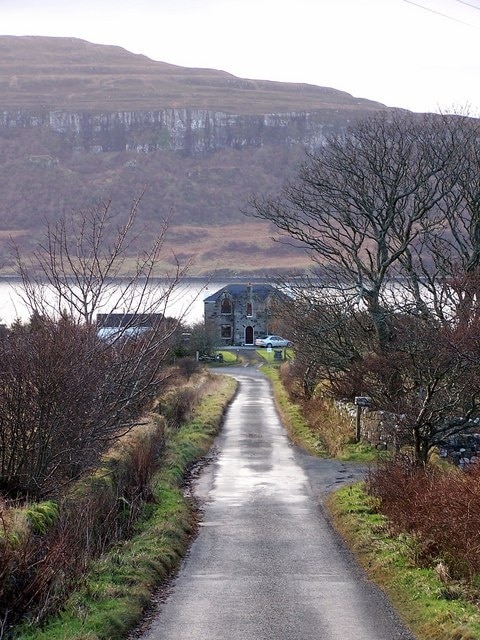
358,426
360,401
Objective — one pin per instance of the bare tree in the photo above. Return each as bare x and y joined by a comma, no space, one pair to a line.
66,394
442,266
357,204
328,329
436,369
427,375
390,214
88,263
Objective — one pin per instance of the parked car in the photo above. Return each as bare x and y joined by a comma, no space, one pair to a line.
273,341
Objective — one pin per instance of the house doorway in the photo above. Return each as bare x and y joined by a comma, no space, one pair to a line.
249,335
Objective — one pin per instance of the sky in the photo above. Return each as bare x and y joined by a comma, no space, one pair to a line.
422,55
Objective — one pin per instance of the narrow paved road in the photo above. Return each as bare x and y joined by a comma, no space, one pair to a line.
266,565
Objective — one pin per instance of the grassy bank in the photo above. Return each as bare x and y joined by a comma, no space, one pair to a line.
432,607
112,598
292,417
301,432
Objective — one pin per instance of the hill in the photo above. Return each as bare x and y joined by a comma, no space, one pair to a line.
81,122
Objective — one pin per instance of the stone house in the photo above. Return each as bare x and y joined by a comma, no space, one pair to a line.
239,313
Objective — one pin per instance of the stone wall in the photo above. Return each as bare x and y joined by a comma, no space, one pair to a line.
378,428
381,430
462,449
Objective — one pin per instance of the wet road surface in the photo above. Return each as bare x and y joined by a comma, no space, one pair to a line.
266,564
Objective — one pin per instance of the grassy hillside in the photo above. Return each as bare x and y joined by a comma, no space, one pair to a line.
201,197
45,172
69,73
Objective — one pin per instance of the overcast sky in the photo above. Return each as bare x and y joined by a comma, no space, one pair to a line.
422,55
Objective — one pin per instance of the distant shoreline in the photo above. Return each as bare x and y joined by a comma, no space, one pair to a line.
186,279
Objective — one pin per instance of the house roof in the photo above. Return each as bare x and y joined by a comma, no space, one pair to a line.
260,291
129,319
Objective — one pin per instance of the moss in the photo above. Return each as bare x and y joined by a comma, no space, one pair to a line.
42,516
417,592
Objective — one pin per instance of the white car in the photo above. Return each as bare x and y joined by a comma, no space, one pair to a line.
273,341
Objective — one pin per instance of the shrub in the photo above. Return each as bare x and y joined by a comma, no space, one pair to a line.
333,426
64,398
177,405
440,507
45,547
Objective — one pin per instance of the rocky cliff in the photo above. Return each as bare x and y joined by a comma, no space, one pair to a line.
82,123
191,131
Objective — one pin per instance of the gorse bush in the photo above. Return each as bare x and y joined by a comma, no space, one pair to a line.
439,507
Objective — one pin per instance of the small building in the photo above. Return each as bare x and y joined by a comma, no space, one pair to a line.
239,313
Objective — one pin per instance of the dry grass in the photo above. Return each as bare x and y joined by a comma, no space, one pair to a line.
239,248
75,74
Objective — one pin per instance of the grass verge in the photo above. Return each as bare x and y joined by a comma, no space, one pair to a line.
292,418
361,452
269,356
112,598
300,431
229,357
432,609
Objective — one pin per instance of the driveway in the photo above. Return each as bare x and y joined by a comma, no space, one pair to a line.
266,564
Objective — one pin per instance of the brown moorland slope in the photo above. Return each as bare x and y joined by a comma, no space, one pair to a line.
72,74
82,122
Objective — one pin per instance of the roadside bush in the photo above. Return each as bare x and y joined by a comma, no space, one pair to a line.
333,427
111,598
188,367
65,396
45,547
291,375
177,405
440,507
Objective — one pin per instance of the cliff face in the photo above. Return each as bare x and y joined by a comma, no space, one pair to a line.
82,124
190,131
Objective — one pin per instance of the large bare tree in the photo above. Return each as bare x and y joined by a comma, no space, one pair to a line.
389,212
441,268
358,204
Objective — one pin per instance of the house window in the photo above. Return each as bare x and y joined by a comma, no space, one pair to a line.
226,306
226,331
249,310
